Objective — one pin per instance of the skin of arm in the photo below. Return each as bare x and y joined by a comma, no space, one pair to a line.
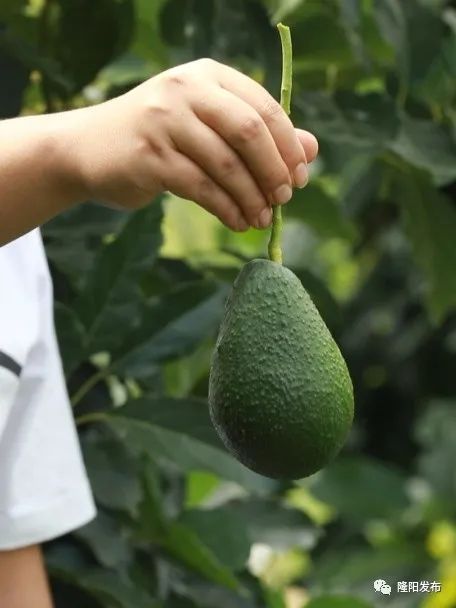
23,581
201,130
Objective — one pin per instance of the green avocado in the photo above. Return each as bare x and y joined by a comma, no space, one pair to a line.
280,395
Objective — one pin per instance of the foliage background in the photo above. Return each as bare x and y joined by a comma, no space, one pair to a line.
138,299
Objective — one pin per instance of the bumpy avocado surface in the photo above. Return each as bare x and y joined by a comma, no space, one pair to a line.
280,395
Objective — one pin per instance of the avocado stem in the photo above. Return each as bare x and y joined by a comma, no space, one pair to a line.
274,247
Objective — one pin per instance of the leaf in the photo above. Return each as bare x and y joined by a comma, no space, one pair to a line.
178,539
435,430
14,80
223,531
430,222
337,601
274,598
111,588
110,302
354,570
184,452
427,145
108,587
405,25
189,416
367,122
392,22
147,42
71,333
361,489
107,540
73,238
361,183
184,544
274,524
113,473
171,326
321,212
206,595
89,34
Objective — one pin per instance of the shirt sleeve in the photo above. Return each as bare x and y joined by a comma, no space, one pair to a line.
44,490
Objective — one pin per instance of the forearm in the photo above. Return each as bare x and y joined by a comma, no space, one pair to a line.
38,173
23,582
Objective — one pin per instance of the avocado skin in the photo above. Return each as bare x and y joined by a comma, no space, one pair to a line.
280,394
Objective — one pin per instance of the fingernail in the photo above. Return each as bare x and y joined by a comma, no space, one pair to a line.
301,175
283,194
265,218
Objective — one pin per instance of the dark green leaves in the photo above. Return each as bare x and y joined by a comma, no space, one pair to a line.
361,489
170,327
91,33
363,121
430,222
178,539
110,302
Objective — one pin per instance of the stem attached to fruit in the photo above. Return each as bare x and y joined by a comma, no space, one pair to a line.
274,247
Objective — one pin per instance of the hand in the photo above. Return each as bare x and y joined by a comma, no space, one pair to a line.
202,131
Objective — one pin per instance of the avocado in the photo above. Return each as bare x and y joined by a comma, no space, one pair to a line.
280,395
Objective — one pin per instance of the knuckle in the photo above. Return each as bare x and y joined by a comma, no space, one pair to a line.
271,109
229,165
204,187
175,79
206,62
249,129
277,177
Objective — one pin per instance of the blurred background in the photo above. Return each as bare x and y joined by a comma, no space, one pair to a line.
138,299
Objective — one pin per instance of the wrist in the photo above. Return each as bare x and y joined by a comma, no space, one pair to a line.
62,143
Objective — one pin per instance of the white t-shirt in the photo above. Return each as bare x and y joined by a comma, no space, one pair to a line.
44,490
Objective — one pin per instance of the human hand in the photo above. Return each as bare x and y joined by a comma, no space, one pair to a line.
201,130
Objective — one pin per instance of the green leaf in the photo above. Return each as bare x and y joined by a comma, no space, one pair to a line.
349,569
73,238
189,416
110,302
392,23
361,183
337,601
184,544
367,122
110,588
321,212
171,326
113,473
361,489
430,222
147,42
428,146
178,539
405,25
89,34
71,333
223,531
119,592
206,595
108,542
435,431
274,598
185,452
274,524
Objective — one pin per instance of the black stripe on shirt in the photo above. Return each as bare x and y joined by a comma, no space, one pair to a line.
10,364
